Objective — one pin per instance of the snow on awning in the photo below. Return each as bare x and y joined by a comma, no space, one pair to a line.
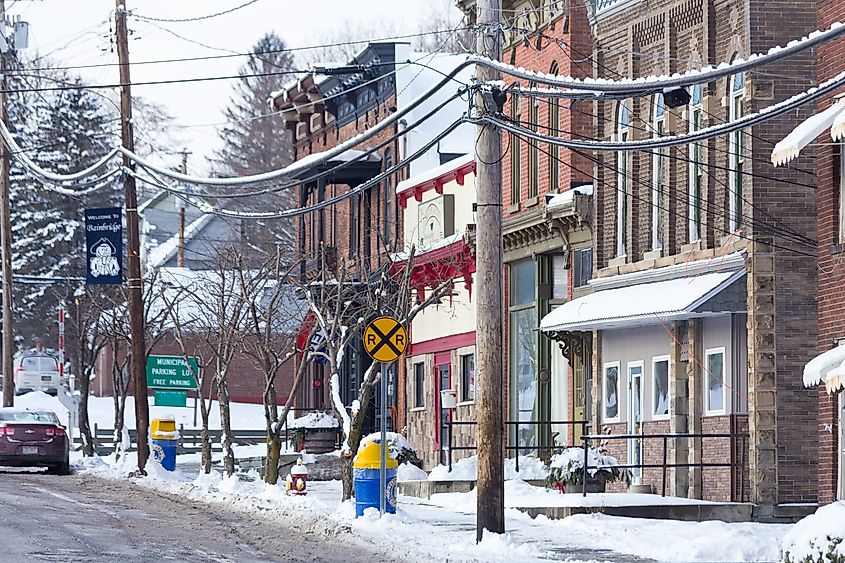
634,305
827,368
790,146
567,197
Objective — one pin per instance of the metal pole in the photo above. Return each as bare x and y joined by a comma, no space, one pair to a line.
133,254
586,461
6,242
665,454
489,267
383,462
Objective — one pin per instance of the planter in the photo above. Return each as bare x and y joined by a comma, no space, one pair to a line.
318,441
593,486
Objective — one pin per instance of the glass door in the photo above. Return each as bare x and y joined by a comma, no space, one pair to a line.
635,411
559,398
444,381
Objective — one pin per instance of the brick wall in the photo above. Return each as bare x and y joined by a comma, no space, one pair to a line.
831,305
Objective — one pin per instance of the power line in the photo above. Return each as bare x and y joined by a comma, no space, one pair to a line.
194,19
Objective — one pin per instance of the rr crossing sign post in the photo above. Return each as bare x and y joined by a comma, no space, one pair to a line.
385,339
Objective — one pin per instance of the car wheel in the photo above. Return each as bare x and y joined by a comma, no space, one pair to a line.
60,469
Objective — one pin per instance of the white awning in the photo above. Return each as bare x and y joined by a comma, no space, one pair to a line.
832,118
641,304
827,368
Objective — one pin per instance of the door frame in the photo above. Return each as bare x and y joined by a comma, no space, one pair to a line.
634,426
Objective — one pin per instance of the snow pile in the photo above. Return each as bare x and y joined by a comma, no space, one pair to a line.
567,197
530,468
410,472
315,420
819,537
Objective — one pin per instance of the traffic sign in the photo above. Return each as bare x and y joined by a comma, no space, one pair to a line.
171,372
385,339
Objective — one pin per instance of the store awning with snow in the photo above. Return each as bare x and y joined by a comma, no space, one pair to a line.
827,368
807,131
451,259
640,304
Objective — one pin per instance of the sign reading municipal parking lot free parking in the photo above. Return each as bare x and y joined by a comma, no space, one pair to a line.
385,339
171,372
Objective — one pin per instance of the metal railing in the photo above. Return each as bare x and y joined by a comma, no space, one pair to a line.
738,466
511,423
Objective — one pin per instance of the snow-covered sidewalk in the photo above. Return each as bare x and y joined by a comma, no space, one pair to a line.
443,528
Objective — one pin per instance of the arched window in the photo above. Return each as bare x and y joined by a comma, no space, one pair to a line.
623,118
696,166
736,156
533,146
658,174
554,131
515,149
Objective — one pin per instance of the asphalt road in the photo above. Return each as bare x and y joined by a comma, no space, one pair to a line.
80,518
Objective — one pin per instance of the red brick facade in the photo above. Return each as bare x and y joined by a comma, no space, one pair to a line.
831,276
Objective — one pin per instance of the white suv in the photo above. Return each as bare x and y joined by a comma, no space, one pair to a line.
36,371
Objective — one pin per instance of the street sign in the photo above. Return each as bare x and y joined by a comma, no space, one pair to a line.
171,372
385,339
170,398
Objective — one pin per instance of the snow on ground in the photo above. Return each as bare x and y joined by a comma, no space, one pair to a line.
444,528
520,494
819,535
245,416
466,469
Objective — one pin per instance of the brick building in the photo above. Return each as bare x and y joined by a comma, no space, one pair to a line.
825,371
703,314
324,110
547,242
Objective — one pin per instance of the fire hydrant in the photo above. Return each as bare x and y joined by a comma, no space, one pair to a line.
297,480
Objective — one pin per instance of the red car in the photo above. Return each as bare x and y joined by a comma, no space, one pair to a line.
33,439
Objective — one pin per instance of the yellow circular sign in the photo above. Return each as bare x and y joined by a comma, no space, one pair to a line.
385,339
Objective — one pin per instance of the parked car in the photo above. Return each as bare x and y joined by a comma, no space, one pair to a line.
31,438
36,371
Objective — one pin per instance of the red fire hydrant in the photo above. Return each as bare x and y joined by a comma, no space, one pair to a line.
297,480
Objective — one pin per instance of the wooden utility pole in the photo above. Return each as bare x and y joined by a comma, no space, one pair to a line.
6,241
180,261
137,367
489,303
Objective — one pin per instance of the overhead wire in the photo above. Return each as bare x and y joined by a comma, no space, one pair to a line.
193,19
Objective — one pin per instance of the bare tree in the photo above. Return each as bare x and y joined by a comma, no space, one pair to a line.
341,307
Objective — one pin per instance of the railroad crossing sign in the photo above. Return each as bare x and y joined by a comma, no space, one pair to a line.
385,339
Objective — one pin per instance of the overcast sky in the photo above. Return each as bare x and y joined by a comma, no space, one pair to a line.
80,32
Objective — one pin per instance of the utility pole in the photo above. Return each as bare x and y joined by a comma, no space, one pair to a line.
137,368
180,204
489,267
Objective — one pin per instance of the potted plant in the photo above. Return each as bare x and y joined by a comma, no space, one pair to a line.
566,471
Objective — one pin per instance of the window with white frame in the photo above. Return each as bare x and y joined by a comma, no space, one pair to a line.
714,377
622,134
660,385
658,172
419,385
696,168
468,377
842,193
736,156
611,391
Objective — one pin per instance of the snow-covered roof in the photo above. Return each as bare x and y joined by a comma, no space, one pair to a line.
828,368
160,254
567,197
644,303
790,146
434,174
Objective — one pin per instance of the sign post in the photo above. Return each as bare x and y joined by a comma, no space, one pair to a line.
385,339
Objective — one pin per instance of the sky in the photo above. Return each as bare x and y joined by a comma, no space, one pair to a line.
80,32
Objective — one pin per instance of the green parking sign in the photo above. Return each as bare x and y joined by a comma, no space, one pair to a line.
171,372
170,398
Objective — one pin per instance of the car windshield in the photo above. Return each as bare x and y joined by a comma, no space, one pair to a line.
28,416
39,363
